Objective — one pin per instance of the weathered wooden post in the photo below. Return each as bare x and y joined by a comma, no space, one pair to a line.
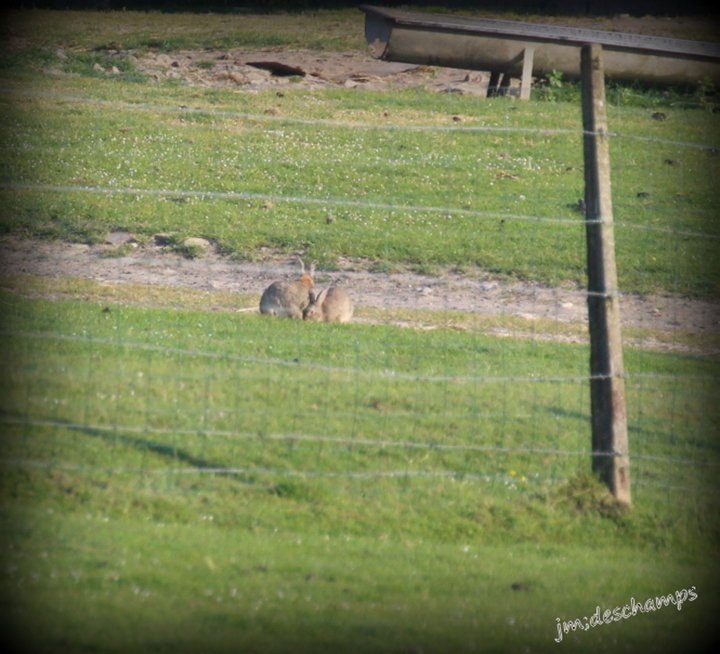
607,385
495,46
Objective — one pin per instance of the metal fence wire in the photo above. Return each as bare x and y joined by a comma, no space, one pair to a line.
266,402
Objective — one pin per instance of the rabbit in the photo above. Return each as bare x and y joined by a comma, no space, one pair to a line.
330,305
289,299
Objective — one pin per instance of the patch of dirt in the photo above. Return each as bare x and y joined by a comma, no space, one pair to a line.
279,68
475,293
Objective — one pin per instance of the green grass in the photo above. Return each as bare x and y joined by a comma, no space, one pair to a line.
460,391
177,477
171,31
364,182
338,192
168,296
205,588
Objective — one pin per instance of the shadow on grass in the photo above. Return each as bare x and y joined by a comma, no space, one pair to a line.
171,453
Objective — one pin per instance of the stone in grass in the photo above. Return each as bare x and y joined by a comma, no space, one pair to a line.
194,247
194,241
120,238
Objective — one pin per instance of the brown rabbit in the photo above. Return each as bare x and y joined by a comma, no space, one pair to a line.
329,305
289,299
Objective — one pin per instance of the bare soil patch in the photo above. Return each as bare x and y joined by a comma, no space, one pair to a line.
474,293
282,66
255,70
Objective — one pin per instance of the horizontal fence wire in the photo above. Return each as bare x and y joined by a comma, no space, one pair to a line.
118,424
127,414
385,374
319,122
243,195
145,429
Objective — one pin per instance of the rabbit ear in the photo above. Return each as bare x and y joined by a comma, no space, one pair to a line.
312,267
302,265
320,297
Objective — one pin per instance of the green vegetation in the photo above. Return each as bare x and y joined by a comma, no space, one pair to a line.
179,476
409,178
263,175
189,470
140,30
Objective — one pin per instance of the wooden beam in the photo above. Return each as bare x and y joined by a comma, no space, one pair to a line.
526,79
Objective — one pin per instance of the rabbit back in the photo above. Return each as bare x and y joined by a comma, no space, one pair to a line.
287,299
331,305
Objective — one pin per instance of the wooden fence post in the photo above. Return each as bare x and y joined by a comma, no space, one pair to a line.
607,385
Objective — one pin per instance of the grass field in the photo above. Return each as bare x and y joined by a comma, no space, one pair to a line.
366,181
355,175
163,480
176,479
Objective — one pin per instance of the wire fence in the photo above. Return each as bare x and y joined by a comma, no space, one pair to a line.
174,393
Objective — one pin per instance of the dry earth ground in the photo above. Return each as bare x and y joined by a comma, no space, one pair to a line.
478,294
